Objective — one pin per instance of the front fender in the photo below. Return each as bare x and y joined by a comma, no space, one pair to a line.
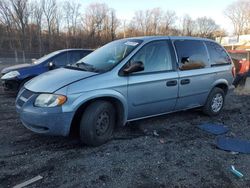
75,101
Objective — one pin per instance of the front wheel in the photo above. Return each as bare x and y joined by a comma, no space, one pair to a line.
97,123
215,102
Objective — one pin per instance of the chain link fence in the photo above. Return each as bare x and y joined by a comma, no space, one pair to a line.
17,57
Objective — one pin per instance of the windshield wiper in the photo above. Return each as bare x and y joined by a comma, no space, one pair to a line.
87,67
84,66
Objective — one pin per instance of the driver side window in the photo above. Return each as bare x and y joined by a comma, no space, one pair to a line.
155,56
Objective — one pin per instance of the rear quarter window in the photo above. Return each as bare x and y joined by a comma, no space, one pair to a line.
218,55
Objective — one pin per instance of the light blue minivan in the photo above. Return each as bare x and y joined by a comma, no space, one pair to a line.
127,80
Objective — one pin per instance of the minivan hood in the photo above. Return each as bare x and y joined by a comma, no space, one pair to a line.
53,80
15,67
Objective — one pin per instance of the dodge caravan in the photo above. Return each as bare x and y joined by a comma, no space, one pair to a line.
127,80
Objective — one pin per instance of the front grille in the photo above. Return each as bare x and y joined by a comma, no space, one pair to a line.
26,94
24,97
20,103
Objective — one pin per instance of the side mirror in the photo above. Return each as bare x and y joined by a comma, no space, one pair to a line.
33,61
134,67
51,65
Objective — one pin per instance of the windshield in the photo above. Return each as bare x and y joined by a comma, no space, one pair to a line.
45,57
108,56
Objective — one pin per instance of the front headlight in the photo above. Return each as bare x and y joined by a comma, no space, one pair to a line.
50,100
11,74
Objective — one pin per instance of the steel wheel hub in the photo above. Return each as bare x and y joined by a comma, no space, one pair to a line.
102,123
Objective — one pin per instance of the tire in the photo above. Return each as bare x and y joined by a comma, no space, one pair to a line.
97,123
215,102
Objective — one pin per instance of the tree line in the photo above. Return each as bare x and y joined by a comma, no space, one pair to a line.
42,26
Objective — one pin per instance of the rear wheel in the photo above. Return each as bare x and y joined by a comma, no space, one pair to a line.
215,102
97,123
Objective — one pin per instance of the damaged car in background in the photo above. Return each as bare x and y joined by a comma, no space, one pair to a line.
14,77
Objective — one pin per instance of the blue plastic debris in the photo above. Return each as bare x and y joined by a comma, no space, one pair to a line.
236,172
213,128
233,144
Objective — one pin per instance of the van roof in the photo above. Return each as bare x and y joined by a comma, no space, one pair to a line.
150,38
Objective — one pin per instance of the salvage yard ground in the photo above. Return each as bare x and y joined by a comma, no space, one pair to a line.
166,151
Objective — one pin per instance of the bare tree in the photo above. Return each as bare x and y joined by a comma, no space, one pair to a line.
168,21
7,20
187,26
206,27
153,22
114,22
239,14
37,15
97,22
45,25
72,16
156,19
20,15
57,21
49,10
138,22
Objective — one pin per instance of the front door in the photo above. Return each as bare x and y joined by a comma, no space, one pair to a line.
154,90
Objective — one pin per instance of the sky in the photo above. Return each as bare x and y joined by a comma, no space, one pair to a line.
195,8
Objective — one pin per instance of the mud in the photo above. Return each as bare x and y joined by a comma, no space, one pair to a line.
179,155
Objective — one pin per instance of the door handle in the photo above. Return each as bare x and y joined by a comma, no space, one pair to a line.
171,83
185,81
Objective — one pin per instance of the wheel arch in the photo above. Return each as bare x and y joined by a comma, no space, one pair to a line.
117,102
222,84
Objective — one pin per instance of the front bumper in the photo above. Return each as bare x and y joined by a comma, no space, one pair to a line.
49,121
10,85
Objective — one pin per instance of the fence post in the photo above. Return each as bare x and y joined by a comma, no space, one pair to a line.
16,58
23,57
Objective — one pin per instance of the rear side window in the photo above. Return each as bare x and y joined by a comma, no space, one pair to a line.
218,55
192,54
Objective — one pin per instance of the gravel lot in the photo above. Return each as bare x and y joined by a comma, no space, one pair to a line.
181,155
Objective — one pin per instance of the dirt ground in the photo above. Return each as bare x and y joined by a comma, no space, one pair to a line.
181,155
